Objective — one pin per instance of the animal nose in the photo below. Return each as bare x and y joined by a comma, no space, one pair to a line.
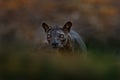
54,44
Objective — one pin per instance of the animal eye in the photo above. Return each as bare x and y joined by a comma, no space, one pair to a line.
48,36
61,36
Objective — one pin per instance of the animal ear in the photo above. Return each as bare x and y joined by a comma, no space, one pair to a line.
46,27
67,27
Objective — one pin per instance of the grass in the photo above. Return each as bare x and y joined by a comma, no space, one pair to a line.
22,61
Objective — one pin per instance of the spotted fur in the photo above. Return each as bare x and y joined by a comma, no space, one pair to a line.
64,39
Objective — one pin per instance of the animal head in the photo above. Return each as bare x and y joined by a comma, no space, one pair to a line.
57,36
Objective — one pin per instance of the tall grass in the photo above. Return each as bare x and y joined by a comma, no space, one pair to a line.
20,61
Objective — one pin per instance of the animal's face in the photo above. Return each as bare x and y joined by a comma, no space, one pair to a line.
56,36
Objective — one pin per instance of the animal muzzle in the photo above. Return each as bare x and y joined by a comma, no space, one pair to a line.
55,45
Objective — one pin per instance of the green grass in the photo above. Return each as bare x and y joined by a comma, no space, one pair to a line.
19,61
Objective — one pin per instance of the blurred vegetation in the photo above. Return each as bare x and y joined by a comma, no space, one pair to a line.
19,60
24,55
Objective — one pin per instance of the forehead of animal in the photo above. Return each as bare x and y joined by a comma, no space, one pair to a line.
55,30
